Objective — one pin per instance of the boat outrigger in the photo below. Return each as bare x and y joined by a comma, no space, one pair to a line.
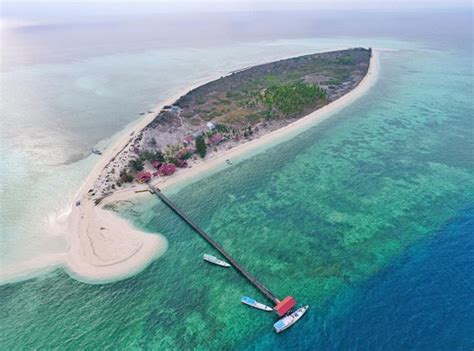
252,303
215,260
289,320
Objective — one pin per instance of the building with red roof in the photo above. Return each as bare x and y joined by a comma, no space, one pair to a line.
167,169
188,139
285,305
215,139
143,177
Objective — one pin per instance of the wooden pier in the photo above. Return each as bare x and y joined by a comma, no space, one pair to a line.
267,293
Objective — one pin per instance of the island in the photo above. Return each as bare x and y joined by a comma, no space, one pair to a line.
205,129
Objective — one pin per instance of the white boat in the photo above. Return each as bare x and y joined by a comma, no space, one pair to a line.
289,320
215,260
252,303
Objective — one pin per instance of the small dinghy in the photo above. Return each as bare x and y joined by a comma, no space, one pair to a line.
252,303
289,320
215,260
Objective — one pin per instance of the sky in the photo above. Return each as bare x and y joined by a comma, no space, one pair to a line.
264,4
40,11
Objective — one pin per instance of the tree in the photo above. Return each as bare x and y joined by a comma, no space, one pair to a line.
146,155
292,98
201,147
159,156
125,177
136,165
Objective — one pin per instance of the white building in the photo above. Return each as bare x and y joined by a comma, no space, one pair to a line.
211,125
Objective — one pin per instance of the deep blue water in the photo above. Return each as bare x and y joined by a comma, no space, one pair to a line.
423,301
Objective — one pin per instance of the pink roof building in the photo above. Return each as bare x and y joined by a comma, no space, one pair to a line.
188,139
167,169
143,177
215,139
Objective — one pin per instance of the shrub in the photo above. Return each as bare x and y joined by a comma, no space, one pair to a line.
146,155
201,147
158,156
345,60
125,176
136,165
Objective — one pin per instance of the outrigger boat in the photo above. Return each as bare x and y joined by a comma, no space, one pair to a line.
252,303
215,260
289,320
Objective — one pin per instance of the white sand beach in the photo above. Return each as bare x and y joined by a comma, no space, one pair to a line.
106,248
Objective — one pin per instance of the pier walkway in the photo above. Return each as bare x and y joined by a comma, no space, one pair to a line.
267,293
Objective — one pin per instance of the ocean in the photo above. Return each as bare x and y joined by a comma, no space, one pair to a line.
367,217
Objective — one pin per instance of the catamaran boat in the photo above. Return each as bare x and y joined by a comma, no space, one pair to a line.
289,320
215,260
252,303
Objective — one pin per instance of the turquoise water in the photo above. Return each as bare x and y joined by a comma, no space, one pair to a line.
54,114
328,217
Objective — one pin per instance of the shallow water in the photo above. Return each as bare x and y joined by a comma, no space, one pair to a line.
54,114
339,217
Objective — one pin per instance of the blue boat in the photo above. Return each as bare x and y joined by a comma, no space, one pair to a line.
252,303
289,320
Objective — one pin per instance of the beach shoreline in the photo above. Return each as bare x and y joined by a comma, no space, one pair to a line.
106,248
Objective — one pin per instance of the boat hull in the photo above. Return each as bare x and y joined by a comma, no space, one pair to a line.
286,322
252,303
215,260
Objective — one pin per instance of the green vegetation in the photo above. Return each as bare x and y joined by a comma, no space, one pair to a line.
221,128
148,155
201,146
345,60
292,98
125,177
136,165
158,156
283,89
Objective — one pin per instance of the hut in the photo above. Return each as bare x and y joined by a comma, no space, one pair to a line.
188,140
167,169
175,108
285,305
215,139
210,125
143,177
